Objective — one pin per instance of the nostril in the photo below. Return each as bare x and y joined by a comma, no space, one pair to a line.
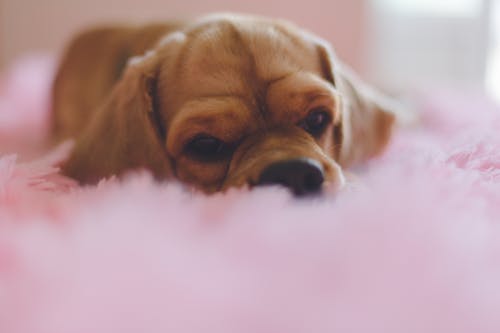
313,180
302,176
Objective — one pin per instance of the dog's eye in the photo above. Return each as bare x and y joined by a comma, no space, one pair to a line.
316,121
207,148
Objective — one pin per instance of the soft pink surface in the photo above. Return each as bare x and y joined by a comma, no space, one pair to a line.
415,249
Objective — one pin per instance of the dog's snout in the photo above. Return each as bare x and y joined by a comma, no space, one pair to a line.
302,176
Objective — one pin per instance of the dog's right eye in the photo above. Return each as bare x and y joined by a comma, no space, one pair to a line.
316,121
207,148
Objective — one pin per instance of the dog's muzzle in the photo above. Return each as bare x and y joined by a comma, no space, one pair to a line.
283,156
303,176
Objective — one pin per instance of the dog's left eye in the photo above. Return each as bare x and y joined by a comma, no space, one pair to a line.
207,148
316,121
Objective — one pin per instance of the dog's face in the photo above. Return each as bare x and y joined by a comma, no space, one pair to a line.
239,98
242,101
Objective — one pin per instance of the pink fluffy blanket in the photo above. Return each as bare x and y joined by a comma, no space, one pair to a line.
415,249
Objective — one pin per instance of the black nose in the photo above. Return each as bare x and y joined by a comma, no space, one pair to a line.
302,175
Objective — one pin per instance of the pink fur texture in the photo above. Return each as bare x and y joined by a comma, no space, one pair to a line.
415,248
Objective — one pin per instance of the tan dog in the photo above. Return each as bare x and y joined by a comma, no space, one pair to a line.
224,101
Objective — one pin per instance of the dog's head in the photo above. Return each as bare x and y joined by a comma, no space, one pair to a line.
234,101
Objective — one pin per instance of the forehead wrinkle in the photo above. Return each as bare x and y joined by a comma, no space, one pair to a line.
272,81
221,83
291,105
208,110
308,98
243,98
208,105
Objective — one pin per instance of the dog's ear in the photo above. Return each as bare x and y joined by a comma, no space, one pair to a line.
368,117
127,132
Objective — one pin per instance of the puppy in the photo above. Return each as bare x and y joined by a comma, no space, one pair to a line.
220,102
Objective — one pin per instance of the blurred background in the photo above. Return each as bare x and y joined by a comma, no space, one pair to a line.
402,45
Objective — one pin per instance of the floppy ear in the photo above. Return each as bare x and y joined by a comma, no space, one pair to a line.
368,117
127,132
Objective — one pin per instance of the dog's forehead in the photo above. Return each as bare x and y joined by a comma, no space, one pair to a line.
227,56
278,50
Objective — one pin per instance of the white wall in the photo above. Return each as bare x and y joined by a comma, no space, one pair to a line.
493,69
429,43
